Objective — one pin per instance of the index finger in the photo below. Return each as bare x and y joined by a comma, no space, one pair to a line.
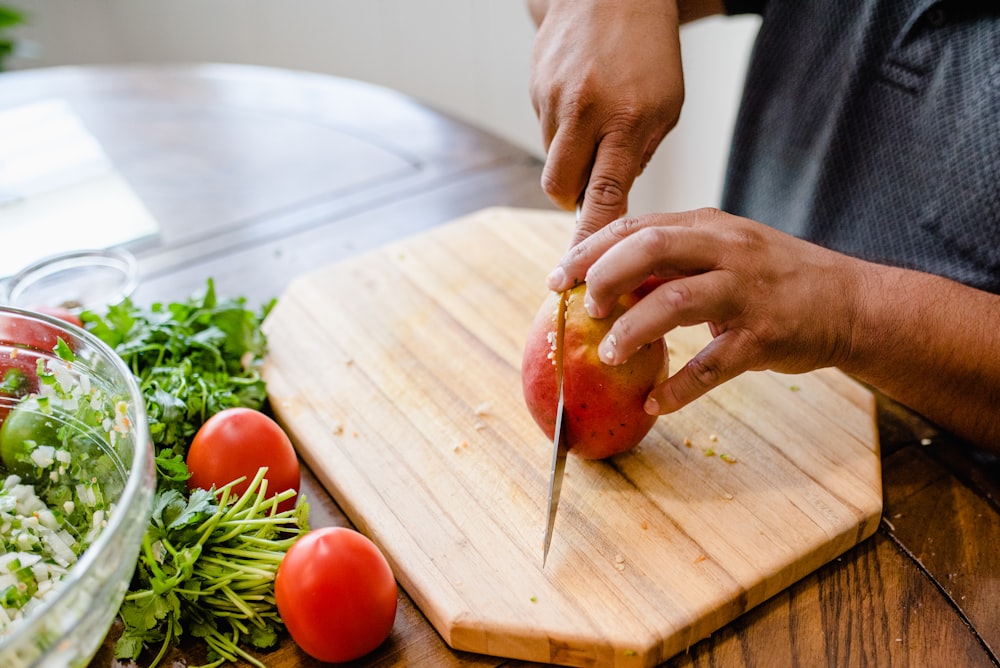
658,255
617,163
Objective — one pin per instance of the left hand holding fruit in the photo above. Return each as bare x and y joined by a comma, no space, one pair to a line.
771,301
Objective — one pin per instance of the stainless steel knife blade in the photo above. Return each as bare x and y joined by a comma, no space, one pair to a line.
560,448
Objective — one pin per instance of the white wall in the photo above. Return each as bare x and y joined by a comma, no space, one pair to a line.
468,58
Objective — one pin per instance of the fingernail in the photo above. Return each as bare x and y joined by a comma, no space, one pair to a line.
589,306
652,406
608,350
556,278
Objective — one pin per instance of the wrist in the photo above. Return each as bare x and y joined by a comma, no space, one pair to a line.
692,10
875,317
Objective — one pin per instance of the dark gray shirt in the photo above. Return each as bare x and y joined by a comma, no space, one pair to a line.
873,127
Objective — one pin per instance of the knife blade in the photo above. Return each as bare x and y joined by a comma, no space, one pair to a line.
560,448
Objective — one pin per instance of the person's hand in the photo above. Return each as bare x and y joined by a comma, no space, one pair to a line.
772,301
607,86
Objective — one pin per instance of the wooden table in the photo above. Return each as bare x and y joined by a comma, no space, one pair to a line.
256,175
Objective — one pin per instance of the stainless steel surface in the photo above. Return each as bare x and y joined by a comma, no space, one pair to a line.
560,448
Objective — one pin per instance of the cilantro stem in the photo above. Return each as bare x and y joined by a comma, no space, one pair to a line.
228,648
167,638
246,568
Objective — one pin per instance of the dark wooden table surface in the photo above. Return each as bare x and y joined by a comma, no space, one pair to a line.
256,175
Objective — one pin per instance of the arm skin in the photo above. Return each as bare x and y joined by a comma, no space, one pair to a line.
607,85
773,301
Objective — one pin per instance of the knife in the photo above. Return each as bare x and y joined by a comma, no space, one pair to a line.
560,447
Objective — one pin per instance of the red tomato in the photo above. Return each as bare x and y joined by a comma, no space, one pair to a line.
235,443
21,341
336,594
34,334
61,313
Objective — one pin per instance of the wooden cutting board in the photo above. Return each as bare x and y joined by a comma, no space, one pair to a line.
397,374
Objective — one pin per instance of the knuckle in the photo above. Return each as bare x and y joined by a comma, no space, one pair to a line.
674,296
620,228
753,346
746,240
576,255
606,192
708,216
577,105
704,371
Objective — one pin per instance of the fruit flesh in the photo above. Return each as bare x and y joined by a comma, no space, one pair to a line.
604,404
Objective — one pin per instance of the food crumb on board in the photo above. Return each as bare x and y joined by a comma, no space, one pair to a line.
687,441
709,452
534,599
460,445
482,409
479,425
728,458
728,497
619,558
713,438
629,652
620,567
700,558
338,429
794,388
644,525
349,361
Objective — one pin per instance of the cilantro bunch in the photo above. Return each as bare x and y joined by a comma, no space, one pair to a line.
208,560
192,359
207,568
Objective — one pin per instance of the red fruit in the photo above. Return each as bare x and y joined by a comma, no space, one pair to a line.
604,404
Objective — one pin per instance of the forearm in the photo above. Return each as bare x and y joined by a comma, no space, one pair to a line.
933,345
687,10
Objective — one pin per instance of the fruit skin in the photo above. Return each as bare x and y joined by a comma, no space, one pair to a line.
604,404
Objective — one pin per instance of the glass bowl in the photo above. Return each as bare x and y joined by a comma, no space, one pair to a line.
99,415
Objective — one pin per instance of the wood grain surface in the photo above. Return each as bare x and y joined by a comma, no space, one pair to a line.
397,374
